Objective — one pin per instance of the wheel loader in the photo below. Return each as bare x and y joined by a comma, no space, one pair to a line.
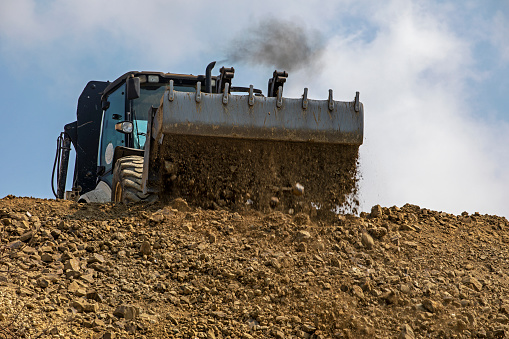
154,135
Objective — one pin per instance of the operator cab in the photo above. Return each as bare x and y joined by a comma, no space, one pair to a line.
126,113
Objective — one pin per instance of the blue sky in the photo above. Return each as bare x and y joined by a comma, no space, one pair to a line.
433,77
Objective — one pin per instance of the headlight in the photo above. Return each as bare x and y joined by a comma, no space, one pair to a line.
125,127
153,78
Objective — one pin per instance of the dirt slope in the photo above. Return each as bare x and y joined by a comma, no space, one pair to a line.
71,270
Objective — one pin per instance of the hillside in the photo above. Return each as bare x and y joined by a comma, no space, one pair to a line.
70,270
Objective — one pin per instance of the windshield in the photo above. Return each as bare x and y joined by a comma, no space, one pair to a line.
150,96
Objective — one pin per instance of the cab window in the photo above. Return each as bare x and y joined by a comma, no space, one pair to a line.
150,96
110,138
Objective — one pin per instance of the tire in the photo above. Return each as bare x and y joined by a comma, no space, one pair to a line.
126,186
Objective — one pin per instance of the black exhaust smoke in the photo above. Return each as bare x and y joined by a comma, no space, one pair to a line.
286,45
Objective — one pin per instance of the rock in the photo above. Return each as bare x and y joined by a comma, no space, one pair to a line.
274,202
89,278
378,232
78,305
481,333
62,225
70,274
157,217
404,288
46,257
406,227
56,233
98,267
431,305
144,317
128,312
26,236
302,334
48,249
66,256
146,248
335,262
298,190
42,282
391,297
98,323
367,241
472,282
472,319
502,319
109,335
54,331
212,238
82,306
302,247
301,236
461,325
180,205
72,264
187,227
14,245
30,251
412,244
357,291
89,307
406,332
73,287
301,219
376,211
95,258
307,327
94,295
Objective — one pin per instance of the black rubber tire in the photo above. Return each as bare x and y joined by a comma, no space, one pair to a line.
126,186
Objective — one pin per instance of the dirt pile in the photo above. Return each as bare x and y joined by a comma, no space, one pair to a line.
233,173
71,270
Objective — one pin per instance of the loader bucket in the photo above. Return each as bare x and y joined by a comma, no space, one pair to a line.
253,151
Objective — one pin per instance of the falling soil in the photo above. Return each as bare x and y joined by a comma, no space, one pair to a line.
265,175
72,270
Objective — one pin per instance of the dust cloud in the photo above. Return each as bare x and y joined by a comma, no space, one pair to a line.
286,45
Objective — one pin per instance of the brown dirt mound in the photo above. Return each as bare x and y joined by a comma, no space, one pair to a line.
70,270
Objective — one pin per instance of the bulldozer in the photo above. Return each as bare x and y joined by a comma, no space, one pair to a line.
153,135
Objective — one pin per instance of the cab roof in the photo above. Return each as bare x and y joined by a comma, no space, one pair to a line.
165,77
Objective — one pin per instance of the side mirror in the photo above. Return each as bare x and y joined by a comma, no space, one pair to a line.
133,88
105,105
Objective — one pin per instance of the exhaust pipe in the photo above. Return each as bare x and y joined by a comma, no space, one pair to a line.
208,77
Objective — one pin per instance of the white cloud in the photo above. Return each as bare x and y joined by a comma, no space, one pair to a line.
422,143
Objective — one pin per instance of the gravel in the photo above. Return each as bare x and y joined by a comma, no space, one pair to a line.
70,270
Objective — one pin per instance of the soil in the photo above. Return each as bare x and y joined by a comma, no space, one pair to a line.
170,270
265,175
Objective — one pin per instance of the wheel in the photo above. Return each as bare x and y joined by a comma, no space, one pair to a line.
126,186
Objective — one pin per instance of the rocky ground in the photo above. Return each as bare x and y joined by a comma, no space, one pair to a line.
70,270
